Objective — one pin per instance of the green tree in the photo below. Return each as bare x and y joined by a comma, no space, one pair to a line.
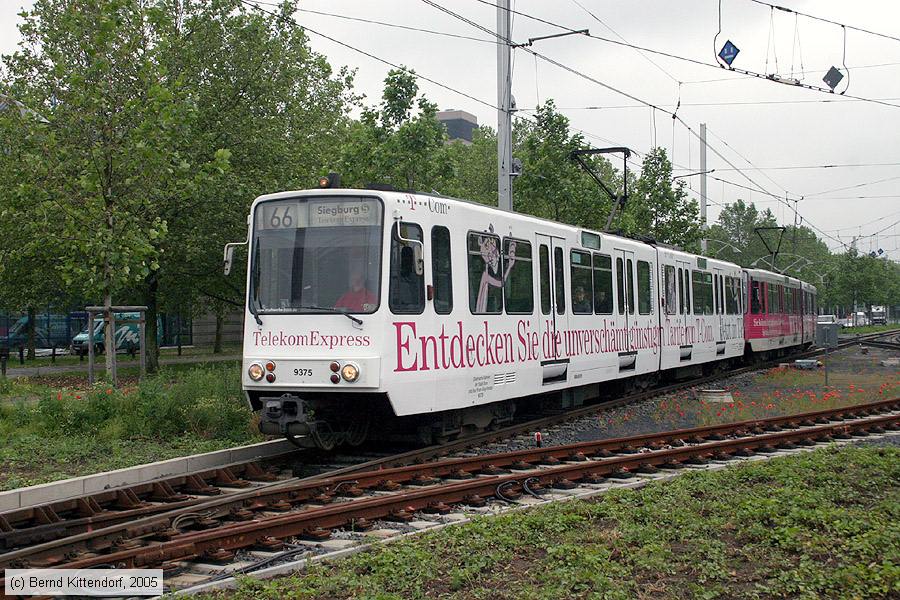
277,107
399,143
474,168
93,70
734,238
552,185
28,275
663,210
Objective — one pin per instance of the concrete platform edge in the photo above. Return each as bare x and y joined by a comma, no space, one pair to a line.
87,484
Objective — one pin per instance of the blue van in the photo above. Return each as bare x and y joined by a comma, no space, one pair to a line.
49,331
127,335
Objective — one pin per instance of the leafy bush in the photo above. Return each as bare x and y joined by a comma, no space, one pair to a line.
205,401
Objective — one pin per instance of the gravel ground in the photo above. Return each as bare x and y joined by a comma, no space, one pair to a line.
888,440
764,393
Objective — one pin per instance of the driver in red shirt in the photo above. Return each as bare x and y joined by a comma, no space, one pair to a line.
358,298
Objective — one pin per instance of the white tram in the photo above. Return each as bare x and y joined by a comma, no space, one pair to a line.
375,313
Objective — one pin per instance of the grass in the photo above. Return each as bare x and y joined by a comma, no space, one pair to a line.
34,388
824,524
52,433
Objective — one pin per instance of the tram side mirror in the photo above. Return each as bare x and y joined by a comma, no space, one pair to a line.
229,255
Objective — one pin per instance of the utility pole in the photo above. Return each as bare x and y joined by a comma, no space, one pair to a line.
703,172
504,108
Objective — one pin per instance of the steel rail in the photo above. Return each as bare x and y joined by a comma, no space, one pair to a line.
94,511
222,541
324,490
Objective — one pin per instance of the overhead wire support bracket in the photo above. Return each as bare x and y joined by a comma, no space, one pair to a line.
618,201
777,249
554,35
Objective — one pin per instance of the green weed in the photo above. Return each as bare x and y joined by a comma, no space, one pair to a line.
818,525
184,411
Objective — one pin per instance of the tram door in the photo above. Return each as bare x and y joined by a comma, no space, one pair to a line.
719,309
625,304
554,312
686,350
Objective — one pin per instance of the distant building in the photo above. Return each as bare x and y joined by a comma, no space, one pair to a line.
460,124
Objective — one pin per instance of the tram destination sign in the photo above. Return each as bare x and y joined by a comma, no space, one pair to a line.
336,214
302,213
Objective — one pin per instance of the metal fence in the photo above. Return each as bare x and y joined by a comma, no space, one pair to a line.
51,329
56,330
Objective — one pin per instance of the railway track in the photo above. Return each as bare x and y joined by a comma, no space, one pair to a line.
100,522
72,516
284,521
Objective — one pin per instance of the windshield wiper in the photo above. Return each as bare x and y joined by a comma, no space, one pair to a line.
251,306
337,311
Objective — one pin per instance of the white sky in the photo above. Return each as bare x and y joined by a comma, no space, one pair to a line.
797,130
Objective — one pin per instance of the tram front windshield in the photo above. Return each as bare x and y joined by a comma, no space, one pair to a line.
317,254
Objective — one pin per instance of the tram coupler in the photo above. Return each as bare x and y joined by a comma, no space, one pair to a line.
284,415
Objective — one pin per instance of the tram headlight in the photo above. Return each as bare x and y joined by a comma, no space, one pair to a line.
350,372
256,372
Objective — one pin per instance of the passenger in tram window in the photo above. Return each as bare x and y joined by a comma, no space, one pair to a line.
357,298
580,302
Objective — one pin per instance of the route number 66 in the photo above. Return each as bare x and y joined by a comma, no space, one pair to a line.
283,220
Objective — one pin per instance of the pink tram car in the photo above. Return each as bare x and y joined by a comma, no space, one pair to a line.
781,312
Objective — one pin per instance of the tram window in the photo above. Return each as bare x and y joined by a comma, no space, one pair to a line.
756,303
721,294
582,284
703,292
671,289
643,276
620,285
732,296
726,295
311,254
485,277
697,285
716,292
738,287
725,282
544,255
407,294
518,290
559,280
681,295
686,290
603,295
440,270
773,299
742,303
629,274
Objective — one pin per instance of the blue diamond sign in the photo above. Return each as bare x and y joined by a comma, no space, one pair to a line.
833,78
728,52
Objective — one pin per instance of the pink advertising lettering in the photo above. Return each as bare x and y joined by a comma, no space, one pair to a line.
313,339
